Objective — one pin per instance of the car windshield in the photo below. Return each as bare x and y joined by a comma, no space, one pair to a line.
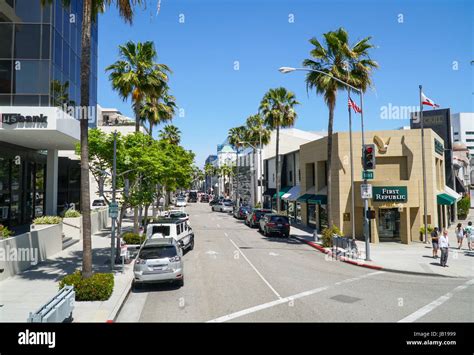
262,212
279,219
165,230
98,203
177,215
227,203
158,252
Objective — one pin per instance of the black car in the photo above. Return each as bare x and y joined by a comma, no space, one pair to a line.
214,201
253,218
242,212
193,196
275,224
204,198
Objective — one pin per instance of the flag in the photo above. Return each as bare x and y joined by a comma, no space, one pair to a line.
427,101
354,106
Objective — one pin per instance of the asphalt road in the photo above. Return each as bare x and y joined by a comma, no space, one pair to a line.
235,274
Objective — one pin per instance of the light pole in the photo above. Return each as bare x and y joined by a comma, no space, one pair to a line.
286,70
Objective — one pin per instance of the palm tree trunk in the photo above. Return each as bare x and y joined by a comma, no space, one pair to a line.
151,129
85,194
329,164
277,168
137,129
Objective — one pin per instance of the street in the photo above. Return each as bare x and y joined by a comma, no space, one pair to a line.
236,274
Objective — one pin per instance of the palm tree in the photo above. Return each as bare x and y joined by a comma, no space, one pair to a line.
171,134
278,110
350,64
209,171
60,93
90,10
136,75
158,109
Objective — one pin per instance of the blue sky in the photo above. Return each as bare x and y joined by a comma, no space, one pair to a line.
418,42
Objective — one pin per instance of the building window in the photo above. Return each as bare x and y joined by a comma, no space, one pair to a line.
470,132
469,140
27,41
291,176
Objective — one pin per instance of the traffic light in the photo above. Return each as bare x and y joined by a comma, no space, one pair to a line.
368,156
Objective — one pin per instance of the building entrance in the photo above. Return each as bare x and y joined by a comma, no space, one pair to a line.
388,223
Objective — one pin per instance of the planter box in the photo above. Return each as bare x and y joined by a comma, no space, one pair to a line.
37,227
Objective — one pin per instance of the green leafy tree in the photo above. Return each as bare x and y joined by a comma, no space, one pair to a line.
339,59
278,110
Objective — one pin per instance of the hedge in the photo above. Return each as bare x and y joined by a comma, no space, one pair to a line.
48,220
133,238
98,287
72,214
5,232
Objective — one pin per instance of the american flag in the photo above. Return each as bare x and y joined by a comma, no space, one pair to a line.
354,106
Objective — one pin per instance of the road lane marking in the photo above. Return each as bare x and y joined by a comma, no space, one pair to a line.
282,300
218,225
435,304
255,269
226,234
273,254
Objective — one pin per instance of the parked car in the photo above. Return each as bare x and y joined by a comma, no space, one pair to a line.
159,260
177,214
275,224
178,229
242,212
214,201
253,218
223,207
192,196
204,198
180,202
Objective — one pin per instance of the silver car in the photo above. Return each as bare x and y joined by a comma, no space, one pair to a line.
159,260
223,207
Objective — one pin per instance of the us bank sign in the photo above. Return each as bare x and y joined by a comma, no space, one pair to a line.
18,119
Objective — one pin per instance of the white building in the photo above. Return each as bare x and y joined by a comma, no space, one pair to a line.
226,155
463,132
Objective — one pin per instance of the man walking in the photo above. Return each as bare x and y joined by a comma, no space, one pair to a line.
469,234
444,246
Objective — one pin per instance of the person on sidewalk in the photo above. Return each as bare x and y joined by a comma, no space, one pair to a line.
469,234
460,232
444,246
434,242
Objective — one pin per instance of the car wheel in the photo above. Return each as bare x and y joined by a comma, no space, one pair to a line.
135,285
180,283
265,232
287,235
191,244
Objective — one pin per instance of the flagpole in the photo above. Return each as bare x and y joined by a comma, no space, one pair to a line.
352,166
425,203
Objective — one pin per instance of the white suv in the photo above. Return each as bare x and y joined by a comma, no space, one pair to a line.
178,229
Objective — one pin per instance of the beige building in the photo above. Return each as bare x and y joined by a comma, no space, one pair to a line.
397,184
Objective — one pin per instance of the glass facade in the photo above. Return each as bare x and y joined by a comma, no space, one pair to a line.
40,54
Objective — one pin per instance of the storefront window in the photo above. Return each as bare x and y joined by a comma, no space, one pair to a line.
298,212
39,190
312,215
389,223
323,216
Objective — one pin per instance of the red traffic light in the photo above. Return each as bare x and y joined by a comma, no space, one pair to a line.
369,150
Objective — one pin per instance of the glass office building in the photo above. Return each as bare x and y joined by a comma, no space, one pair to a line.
40,51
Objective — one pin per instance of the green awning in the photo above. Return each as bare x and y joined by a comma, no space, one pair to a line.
283,191
316,199
445,199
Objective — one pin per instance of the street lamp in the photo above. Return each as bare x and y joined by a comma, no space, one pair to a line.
286,70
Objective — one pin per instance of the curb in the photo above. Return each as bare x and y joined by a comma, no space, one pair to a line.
123,297
369,266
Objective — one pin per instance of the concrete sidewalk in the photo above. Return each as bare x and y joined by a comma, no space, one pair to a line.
28,291
415,258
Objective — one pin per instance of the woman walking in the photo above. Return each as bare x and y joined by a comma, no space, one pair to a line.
444,246
459,234
434,242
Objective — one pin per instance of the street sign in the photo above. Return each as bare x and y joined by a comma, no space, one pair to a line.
113,210
366,191
367,175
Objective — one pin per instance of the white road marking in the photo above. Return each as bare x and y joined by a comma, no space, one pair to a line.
255,269
218,226
226,234
273,254
435,304
212,253
281,301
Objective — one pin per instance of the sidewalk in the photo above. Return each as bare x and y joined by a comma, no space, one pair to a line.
28,291
415,258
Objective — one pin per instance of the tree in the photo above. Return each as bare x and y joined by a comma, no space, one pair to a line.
226,170
136,75
90,10
157,110
209,171
278,110
339,59
237,137
171,134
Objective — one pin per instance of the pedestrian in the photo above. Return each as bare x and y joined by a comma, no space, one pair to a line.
444,246
459,234
469,234
434,242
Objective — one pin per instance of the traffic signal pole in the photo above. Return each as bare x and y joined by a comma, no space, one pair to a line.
366,201
114,178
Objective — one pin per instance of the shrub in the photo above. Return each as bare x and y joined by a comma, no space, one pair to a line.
5,232
328,233
133,238
48,220
463,207
72,214
98,287
422,229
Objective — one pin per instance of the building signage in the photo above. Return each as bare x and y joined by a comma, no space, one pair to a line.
439,147
14,118
367,174
390,193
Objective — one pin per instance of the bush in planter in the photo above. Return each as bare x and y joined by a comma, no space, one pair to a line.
48,220
463,207
98,287
133,238
328,233
5,232
72,214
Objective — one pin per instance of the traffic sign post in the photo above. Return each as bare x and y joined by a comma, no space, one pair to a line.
113,210
367,175
366,191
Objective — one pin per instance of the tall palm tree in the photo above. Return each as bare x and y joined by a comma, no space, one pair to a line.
171,134
90,10
157,110
278,110
339,59
136,75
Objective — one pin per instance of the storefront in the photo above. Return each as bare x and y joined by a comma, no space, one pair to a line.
293,207
316,208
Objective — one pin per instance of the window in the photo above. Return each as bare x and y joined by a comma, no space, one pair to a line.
27,41
165,230
158,252
32,77
6,34
6,76
470,132
469,140
45,41
291,176
28,10
58,45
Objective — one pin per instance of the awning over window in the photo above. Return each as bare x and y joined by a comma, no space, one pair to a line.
460,186
448,196
269,192
283,191
292,194
319,198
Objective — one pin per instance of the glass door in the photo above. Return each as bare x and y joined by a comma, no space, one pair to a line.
389,223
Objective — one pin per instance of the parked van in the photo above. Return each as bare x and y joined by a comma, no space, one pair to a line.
175,228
